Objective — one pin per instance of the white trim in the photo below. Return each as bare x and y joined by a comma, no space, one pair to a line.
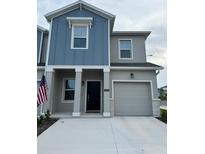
86,82
135,68
109,42
77,66
107,70
49,40
78,69
106,114
49,69
63,92
119,55
40,48
72,36
57,12
79,20
41,28
40,67
76,114
38,79
133,81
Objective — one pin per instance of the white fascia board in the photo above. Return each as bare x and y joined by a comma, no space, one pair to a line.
62,10
136,68
77,67
98,9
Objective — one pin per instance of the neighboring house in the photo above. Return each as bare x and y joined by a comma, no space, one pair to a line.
92,69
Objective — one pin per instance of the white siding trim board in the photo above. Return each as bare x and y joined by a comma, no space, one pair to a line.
77,67
49,40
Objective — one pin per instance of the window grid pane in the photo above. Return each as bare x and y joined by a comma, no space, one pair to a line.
125,53
125,44
79,42
80,31
69,84
69,95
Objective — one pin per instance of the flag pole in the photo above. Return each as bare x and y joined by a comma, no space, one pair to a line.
42,103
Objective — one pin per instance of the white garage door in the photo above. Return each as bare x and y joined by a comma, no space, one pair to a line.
132,98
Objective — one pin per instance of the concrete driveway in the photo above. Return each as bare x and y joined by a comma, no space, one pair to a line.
118,135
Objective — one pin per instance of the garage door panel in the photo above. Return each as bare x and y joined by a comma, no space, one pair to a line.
132,99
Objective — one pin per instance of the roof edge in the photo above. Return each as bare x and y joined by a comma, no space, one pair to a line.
42,29
52,14
131,33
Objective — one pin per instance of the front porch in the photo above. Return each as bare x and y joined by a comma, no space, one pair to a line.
78,92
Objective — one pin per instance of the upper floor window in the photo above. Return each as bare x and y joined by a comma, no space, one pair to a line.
125,49
79,39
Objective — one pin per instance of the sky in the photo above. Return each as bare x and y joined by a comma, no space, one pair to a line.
131,15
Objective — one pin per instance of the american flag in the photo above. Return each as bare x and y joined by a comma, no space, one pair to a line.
42,92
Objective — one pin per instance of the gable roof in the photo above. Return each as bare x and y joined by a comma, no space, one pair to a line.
80,4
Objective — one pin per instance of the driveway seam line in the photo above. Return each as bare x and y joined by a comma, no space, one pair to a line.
113,134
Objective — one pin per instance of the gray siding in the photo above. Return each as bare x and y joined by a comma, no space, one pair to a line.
39,34
138,43
60,50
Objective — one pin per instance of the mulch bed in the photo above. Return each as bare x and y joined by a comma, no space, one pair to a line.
45,125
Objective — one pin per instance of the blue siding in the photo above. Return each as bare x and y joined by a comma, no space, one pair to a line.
60,45
39,33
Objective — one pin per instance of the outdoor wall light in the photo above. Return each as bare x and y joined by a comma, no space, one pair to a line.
82,83
132,75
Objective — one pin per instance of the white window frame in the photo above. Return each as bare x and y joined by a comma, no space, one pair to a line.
119,54
72,35
63,91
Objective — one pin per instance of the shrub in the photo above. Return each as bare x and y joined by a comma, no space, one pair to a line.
47,115
163,115
40,119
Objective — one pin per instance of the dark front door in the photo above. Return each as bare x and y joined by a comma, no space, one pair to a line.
93,96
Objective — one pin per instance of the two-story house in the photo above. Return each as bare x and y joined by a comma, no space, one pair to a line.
90,68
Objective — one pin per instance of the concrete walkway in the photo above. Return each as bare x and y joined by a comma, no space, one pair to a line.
118,135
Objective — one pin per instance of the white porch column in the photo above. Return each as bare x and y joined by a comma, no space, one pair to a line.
50,82
106,90
76,105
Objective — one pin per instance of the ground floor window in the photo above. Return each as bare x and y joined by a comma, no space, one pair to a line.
68,89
